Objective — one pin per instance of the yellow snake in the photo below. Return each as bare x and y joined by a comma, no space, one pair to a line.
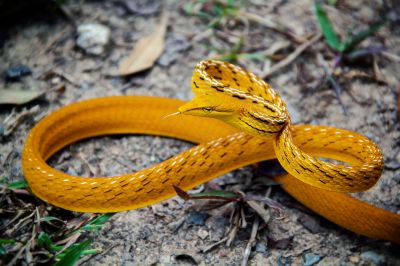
252,125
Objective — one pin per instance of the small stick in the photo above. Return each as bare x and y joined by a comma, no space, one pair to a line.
252,240
290,58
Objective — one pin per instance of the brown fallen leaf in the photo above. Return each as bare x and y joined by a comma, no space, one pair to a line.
146,51
16,95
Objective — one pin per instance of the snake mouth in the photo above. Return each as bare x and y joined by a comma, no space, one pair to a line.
171,115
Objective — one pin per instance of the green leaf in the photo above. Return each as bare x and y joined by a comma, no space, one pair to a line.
7,241
212,195
98,222
44,240
216,194
18,185
355,40
327,29
72,254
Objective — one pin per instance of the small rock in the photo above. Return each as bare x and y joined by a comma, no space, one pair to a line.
311,259
197,218
143,7
354,259
15,73
93,38
373,257
203,234
55,81
310,223
282,243
262,248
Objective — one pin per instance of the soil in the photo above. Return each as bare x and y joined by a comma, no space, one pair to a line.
152,235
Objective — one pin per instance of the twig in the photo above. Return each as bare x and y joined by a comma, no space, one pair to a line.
290,58
11,124
272,25
338,90
99,255
208,248
391,56
15,227
252,240
53,40
329,76
234,230
92,171
265,214
204,35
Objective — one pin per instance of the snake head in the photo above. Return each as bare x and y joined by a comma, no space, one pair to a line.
237,97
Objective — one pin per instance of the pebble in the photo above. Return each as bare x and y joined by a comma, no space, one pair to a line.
147,7
197,218
203,234
93,38
373,257
311,259
354,259
310,223
262,248
14,73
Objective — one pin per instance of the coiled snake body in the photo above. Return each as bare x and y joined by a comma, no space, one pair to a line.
252,125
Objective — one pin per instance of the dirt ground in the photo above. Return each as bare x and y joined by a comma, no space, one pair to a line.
164,234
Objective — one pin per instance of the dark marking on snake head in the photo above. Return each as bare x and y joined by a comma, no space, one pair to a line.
218,88
269,108
238,96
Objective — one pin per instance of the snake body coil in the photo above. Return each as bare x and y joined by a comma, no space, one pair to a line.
238,98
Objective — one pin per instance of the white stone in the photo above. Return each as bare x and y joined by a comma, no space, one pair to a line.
93,38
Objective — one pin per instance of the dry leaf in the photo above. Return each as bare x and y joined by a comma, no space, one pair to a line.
146,51
18,95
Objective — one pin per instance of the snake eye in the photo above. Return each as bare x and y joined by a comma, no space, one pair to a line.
207,109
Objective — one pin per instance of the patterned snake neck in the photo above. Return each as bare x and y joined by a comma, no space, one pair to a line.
243,100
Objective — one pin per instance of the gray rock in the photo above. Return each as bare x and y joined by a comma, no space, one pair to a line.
373,257
311,259
262,248
93,38
197,218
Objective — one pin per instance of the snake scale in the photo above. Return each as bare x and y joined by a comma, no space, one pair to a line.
252,124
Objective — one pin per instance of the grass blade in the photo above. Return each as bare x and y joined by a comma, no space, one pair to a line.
18,185
330,35
72,255
98,222
355,40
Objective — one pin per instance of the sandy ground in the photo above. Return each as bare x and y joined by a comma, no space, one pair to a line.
150,236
